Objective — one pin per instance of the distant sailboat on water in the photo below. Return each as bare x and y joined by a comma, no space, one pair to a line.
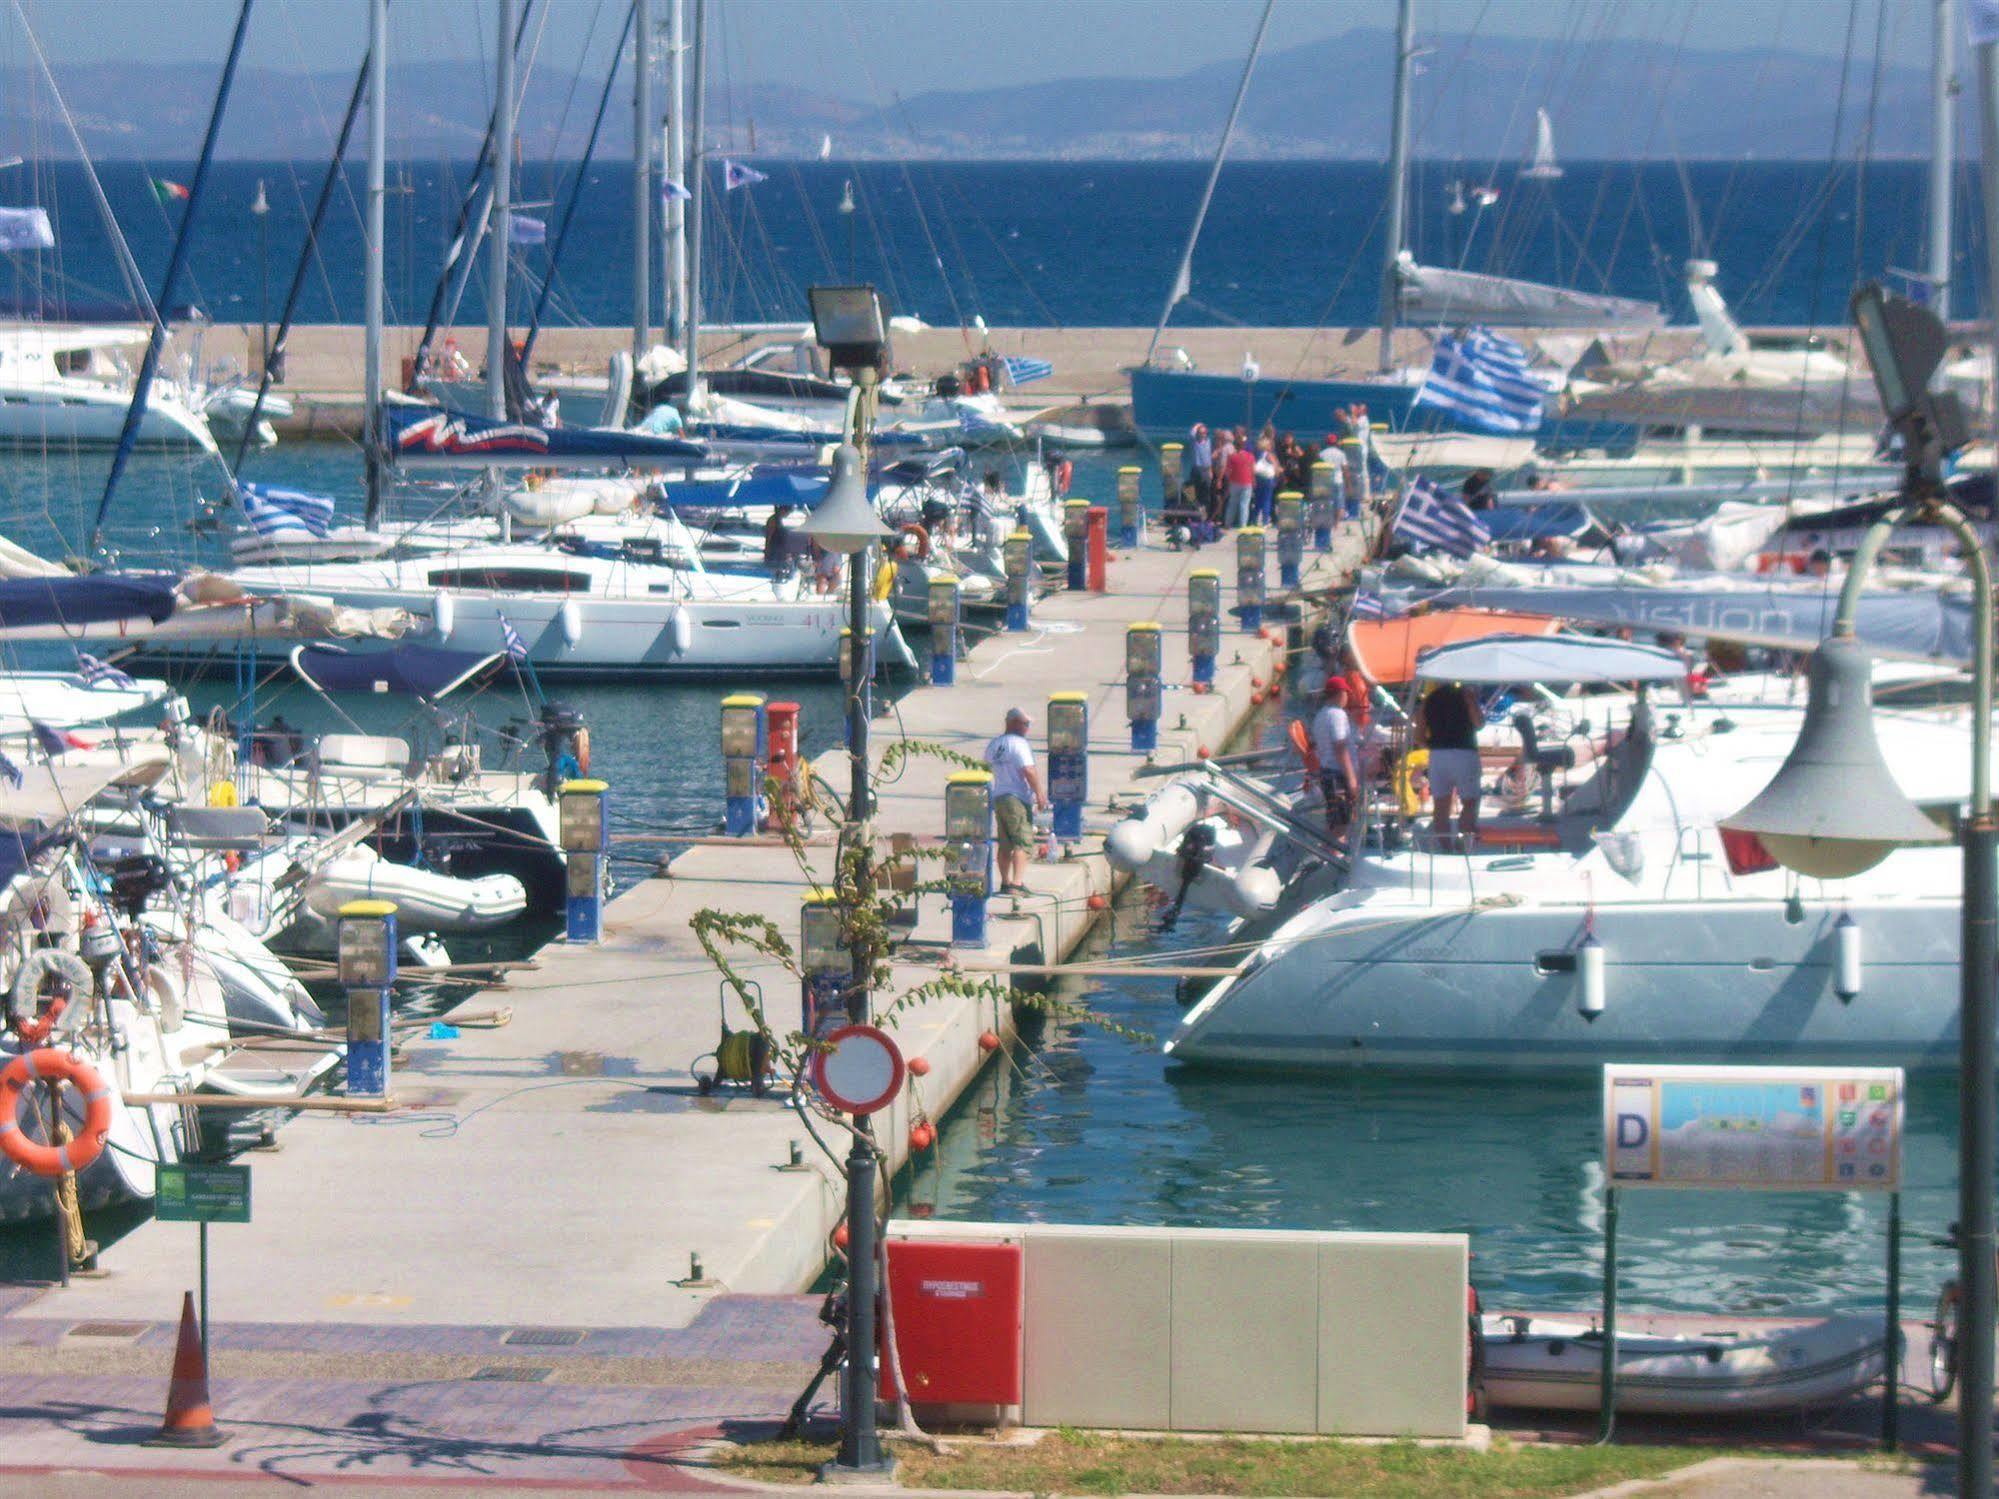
1544,167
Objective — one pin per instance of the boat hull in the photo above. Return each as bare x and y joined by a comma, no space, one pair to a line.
1487,990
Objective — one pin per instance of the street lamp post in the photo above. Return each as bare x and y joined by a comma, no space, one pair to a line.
848,323
1833,810
261,211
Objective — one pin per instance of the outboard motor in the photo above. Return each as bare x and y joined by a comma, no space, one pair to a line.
566,743
1543,760
136,880
949,387
1195,853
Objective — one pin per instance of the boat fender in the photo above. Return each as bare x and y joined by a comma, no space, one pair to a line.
443,614
57,1067
1589,977
921,535
32,1018
571,620
1131,843
222,794
582,743
1847,968
1405,781
680,630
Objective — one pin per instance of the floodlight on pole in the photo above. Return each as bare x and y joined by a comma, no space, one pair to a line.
847,322
845,521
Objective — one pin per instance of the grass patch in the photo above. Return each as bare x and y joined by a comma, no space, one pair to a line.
1075,1462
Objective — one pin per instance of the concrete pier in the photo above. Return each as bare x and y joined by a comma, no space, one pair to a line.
562,1168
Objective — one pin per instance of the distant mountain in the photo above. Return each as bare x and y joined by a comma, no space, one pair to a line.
1475,100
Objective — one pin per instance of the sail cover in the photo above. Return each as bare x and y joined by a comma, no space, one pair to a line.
75,602
425,435
406,668
1431,295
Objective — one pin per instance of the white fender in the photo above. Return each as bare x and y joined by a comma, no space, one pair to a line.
571,620
1166,815
1589,978
443,614
680,630
1847,969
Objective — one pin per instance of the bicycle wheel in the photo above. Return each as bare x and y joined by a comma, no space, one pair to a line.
1943,1344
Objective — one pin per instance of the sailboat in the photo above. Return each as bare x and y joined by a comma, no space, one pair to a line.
1167,401
1544,167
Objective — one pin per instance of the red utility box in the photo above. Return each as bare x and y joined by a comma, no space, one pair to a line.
957,1322
1098,541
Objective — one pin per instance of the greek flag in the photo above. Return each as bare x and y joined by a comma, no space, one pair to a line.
525,230
1021,370
517,648
735,175
1481,379
1434,522
284,512
96,673
1368,606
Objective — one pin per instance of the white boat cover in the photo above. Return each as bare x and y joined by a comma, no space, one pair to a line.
1434,296
1502,660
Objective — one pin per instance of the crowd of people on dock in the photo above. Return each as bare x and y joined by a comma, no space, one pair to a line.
1233,480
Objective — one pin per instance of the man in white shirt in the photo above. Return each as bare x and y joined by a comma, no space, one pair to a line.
1016,797
1333,744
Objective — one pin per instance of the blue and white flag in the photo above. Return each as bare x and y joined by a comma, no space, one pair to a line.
1482,380
517,648
96,673
1368,606
26,229
524,230
1020,370
1430,521
735,175
673,192
284,512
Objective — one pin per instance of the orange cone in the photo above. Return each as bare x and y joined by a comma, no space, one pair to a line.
189,1421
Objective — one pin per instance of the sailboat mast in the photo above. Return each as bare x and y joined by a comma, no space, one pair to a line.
1183,278
642,181
499,225
673,306
1943,154
371,274
696,185
1398,174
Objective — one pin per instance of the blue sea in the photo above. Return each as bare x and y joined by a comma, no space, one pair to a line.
1070,244
1088,1125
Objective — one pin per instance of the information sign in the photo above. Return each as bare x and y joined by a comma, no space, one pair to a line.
1777,1129
203,1194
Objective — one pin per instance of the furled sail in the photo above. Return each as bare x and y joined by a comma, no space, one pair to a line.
1428,295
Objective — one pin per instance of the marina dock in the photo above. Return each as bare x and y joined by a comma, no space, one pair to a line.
563,1168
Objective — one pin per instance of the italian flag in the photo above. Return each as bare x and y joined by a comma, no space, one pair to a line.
168,192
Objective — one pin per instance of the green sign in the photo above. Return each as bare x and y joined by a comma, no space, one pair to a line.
203,1194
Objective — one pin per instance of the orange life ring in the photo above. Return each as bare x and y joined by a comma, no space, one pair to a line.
60,1067
922,535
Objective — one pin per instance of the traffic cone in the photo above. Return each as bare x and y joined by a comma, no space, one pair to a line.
189,1422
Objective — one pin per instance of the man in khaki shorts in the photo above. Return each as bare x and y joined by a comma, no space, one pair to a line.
1016,797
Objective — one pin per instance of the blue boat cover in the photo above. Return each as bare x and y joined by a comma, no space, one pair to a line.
26,602
760,486
425,435
1532,523
422,671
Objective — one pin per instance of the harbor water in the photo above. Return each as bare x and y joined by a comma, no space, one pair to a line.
1095,1127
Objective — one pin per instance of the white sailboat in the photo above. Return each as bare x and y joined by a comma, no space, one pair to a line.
1544,167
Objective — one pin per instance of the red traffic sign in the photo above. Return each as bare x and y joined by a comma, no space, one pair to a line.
859,1069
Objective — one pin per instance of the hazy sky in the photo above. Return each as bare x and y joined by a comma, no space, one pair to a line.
917,45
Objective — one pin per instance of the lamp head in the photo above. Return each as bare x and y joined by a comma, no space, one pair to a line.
1833,810
845,521
847,322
